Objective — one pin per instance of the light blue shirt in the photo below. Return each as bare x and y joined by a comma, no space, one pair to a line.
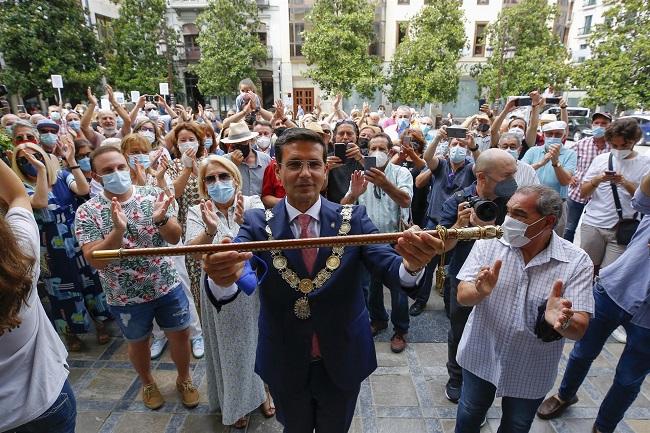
627,280
546,173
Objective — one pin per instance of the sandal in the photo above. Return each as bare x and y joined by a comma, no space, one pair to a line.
73,343
103,336
241,423
268,408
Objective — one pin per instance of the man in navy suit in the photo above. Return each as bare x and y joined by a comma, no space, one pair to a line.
315,346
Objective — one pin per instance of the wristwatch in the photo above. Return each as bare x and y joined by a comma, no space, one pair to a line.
161,222
414,273
559,164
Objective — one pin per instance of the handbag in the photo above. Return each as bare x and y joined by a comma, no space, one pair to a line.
625,228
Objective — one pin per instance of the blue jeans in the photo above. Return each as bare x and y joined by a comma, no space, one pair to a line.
399,314
59,418
477,396
574,212
632,368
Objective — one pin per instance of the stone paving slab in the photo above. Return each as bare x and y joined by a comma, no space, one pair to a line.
404,395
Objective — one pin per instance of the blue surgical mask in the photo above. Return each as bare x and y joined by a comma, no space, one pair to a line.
143,160
506,188
402,124
117,182
119,122
84,164
598,131
28,169
513,152
9,130
48,139
550,141
221,192
457,154
75,125
426,129
207,143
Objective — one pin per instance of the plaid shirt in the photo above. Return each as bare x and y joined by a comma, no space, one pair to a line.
587,151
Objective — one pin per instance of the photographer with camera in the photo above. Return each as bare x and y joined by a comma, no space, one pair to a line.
481,203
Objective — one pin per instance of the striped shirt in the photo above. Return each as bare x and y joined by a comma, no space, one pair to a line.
499,343
586,151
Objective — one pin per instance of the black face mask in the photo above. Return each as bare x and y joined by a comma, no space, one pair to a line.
483,127
363,142
279,131
245,149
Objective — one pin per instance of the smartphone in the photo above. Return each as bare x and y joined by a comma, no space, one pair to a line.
456,132
523,101
369,162
156,98
481,102
339,150
21,108
553,100
610,172
406,140
149,98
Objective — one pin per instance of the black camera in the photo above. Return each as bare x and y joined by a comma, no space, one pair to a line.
485,210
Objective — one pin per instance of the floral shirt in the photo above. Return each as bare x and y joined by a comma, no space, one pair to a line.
131,280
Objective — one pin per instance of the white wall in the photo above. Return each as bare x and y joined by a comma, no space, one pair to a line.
576,39
101,7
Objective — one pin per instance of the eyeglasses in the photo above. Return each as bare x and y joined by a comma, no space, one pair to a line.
48,131
221,177
297,165
22,160
26,137
149,109
146,129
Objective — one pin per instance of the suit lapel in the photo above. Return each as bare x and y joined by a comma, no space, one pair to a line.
330,221
281,228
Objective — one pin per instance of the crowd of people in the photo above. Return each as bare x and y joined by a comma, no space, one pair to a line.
297,343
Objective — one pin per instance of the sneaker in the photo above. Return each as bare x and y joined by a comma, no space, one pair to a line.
158,347
189,393
152,397
198,347
452,391
398,342
620,335
417,308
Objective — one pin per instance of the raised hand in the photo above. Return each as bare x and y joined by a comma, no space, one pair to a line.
162,169
376,177
118,216
40,167
188,158
239,210
209,216
91,97
358,183
464,214
237,156
337,102
109,92
160,207
558,310
487,279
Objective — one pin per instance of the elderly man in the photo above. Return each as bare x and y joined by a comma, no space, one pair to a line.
555,164
530,290
106,120
403,122
251,162
586,150
621,298
526,174
426,125
495,171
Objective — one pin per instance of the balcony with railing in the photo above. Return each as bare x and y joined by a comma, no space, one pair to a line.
584,31
192,53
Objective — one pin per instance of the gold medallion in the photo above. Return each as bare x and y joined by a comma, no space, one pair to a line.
332,263
306,286
279,262
345,228
301,309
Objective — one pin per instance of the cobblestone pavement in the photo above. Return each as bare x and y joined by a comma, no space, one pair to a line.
404,395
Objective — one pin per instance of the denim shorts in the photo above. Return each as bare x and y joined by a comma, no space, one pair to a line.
172,313
60,417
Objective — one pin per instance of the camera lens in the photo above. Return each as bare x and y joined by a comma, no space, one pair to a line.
485,210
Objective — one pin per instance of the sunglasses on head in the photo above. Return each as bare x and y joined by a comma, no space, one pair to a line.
221,177
22,160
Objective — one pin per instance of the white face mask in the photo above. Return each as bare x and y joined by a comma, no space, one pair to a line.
517,131
263,142
514,231
382,158
194,145
149,135
621,154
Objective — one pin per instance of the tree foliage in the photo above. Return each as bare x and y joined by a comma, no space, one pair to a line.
336,47
619,69
425,65
39,38
133,62
526,54
230,46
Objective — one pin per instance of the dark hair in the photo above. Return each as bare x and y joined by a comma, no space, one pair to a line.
194,128
262,122
347,122
100,151
292,135
81,142
627,128
389,141
15,279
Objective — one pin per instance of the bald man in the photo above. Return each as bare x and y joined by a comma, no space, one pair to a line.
495,181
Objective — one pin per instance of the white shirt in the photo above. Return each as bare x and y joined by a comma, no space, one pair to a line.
221,293
33,364
600,211
499,344
526,175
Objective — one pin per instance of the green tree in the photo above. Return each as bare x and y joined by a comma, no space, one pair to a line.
619,69
132,59
526,54
425,65
39,38
230,46
336,47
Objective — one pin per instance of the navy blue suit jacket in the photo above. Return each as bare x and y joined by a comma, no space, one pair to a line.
338,310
